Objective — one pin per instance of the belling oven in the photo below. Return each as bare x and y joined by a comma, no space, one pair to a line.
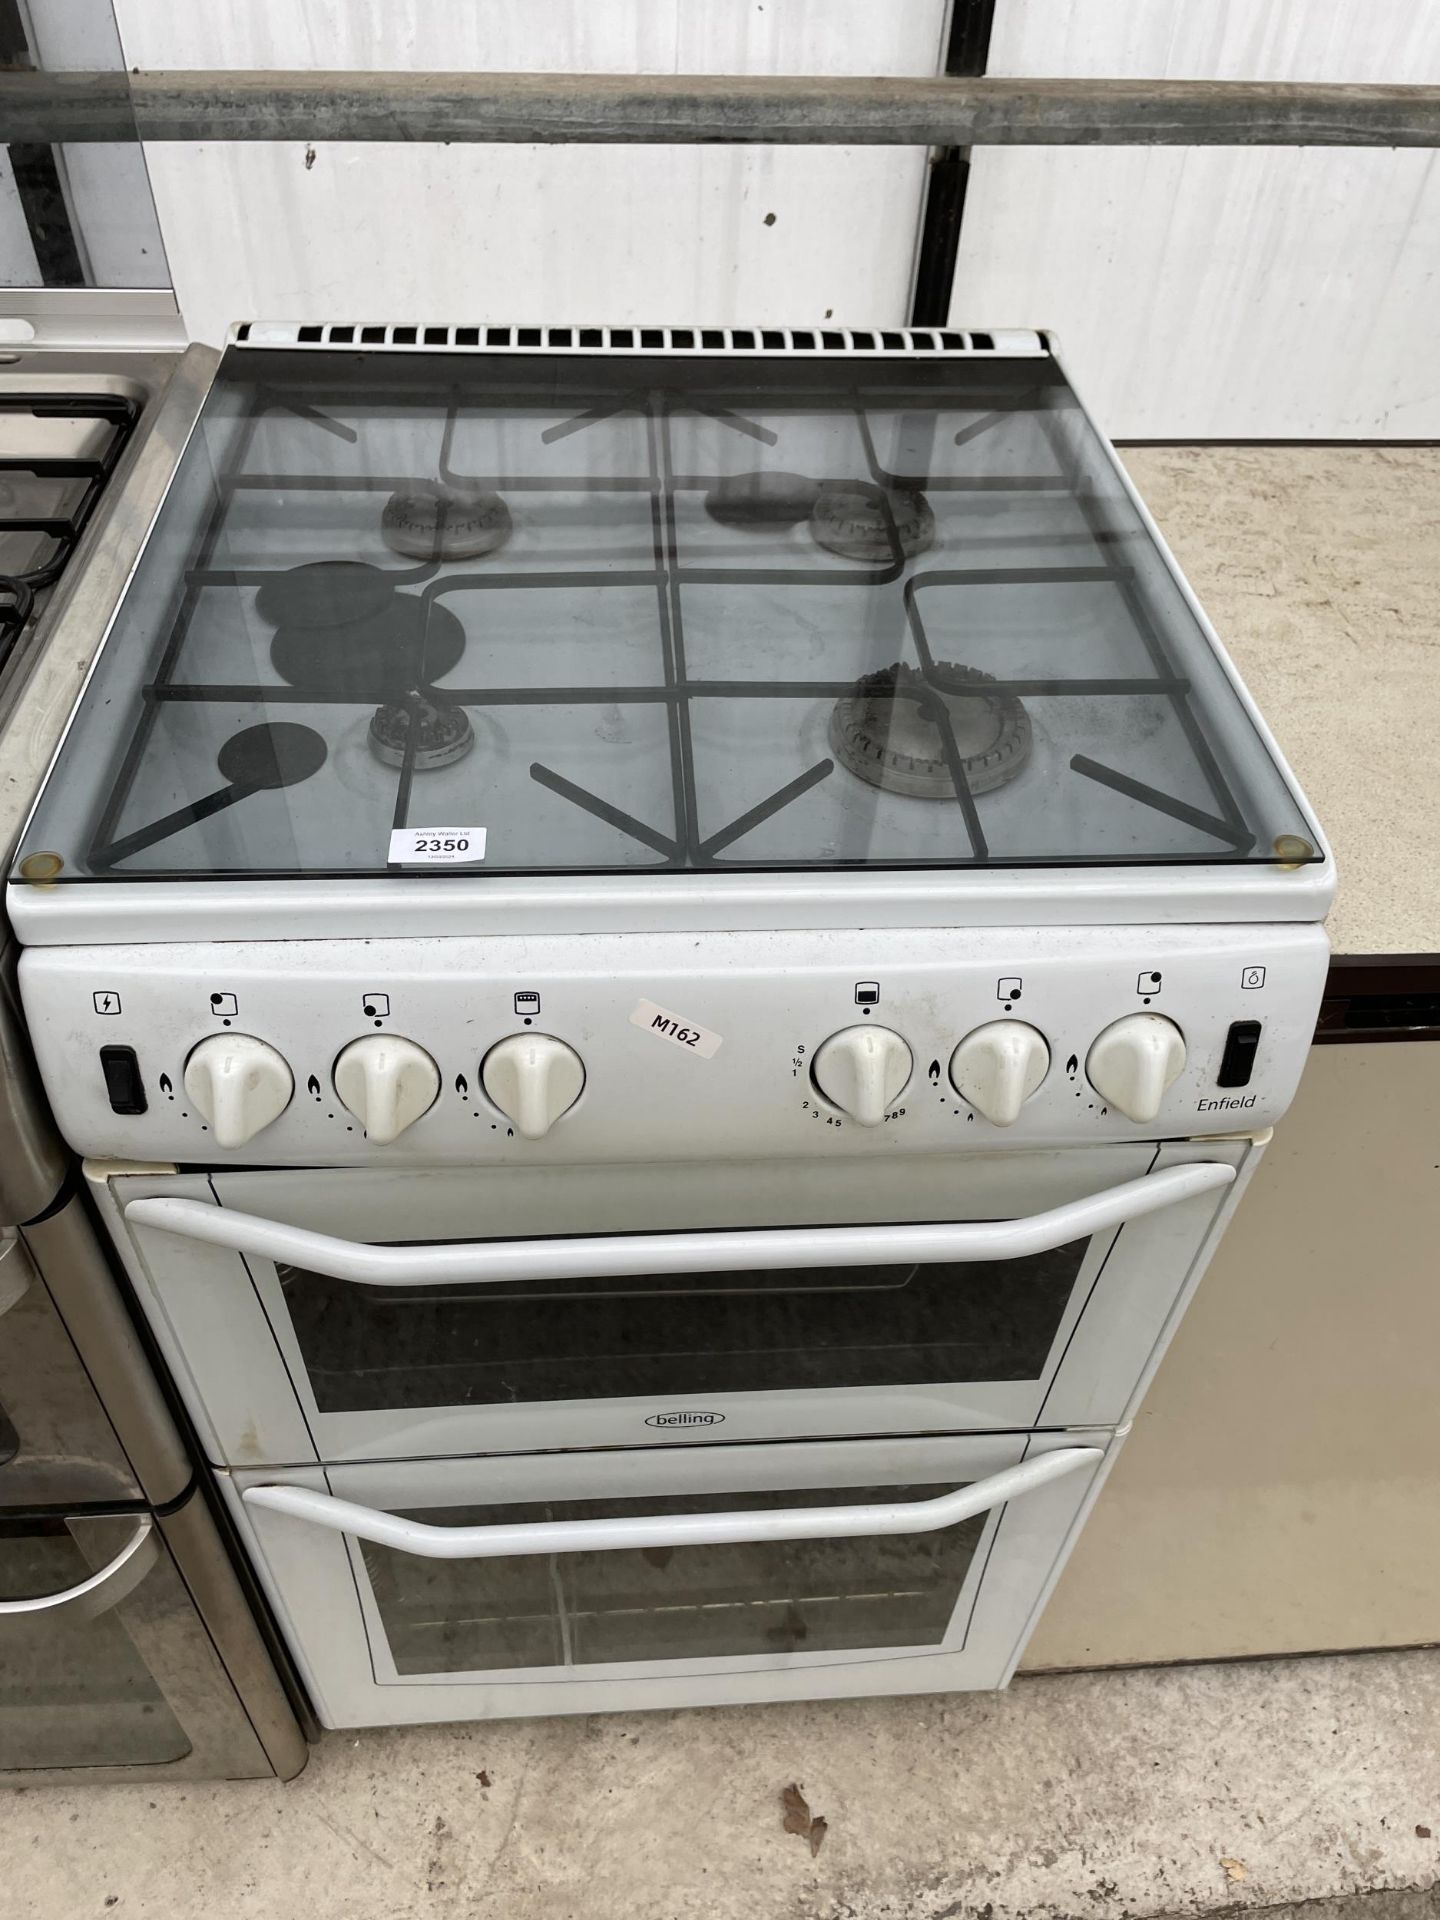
669,950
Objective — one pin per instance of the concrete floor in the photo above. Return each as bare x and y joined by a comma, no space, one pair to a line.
1073,1797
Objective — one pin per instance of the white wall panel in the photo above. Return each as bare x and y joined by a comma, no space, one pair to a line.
1218,292
789,235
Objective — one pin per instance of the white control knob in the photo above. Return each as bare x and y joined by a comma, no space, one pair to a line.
1134,1061
387,1083
862,1070
237,1085
532,1078
997,1068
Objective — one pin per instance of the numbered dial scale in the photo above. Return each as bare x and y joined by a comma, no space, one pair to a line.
665,1047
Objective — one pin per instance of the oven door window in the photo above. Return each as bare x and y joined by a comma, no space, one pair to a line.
756,1599
367,1349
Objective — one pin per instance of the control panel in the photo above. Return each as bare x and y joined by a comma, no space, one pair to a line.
670,1047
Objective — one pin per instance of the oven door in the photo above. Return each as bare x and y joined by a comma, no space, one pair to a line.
355,1315
582,1583
107,1670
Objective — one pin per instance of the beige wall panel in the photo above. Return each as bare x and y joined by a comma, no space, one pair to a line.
1281,1490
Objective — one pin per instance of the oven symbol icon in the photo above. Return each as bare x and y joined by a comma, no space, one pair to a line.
377,1005
527,1003
1252,977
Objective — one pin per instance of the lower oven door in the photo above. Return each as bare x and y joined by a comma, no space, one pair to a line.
106,1668
349,1315
663,1577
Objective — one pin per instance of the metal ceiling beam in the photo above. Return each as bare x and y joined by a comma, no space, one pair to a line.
704,109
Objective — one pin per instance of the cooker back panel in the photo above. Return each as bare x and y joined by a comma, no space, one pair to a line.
623,1048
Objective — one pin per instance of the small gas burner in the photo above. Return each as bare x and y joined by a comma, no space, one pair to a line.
762,499
377,658
432,521
886,731
324,593
443,734
849,518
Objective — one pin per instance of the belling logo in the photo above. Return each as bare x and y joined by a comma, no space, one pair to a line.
684,1419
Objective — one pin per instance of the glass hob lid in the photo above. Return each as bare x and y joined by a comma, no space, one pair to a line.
582,614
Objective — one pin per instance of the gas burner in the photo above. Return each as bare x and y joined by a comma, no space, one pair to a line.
885,731
849,519
443,734
762,499
378,658
432,521
324,593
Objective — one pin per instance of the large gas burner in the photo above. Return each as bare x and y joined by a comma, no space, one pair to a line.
907,736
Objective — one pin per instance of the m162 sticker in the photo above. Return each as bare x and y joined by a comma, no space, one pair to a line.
680,1033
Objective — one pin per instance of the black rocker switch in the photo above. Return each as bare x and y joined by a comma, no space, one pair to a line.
1237,1063
122,1079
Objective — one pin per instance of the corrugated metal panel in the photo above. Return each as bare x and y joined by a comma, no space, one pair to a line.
1218,293
789,236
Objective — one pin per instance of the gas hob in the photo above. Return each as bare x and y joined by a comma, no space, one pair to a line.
484,616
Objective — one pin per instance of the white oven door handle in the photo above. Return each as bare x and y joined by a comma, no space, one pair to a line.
621,1255
103,1590
671,1529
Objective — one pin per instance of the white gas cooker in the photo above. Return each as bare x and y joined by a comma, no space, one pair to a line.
614,892
504,637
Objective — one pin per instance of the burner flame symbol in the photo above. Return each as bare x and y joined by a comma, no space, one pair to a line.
165,1083
934,1073
462,1086
312,1086
1072,1065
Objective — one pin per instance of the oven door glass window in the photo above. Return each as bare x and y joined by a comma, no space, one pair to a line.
76,1686
671,1602
367,1349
